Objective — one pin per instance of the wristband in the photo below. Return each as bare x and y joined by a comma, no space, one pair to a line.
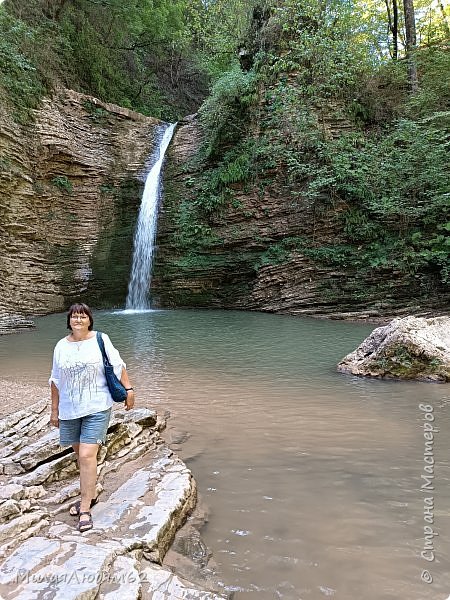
128,389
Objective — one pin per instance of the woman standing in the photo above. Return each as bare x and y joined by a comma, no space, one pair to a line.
81,402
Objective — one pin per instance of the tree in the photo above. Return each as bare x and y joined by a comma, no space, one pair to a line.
393,25
410,30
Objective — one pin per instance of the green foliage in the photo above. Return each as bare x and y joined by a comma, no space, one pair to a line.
216,28
192,233
19,76
224,114
319,45
397,190
357,225
232,171
434,249
400,174
155,56
135,54
242,165
106,189
274,255
434,91
97,114
322,66
63,183
95,36
5,166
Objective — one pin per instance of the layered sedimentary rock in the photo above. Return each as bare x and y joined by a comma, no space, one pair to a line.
408,348
266,249
70,188
145,494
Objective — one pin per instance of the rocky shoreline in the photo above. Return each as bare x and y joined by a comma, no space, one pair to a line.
146,494
19,324
16,395
14,323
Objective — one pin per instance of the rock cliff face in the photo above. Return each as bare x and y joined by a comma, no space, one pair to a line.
265,251
70,188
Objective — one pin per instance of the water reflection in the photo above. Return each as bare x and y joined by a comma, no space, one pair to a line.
313,478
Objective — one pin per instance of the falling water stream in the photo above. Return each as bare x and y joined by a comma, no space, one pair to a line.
144,237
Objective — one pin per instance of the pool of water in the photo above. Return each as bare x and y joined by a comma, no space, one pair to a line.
313,478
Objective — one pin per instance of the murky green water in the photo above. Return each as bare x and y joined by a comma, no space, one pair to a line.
313,478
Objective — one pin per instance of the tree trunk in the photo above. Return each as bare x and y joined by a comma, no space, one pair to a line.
395,28
393,25
410,30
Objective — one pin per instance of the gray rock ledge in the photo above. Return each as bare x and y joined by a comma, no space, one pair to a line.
10,323
408,348
145,495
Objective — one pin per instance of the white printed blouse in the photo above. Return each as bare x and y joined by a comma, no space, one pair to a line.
78,374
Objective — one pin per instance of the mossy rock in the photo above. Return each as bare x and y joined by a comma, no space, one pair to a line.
402,361
408,348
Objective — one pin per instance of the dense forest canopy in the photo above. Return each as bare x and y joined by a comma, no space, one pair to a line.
264,74
307,62
156,56
159,56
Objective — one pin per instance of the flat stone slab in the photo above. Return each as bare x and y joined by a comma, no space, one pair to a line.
146,494
54,568
407,348
161,584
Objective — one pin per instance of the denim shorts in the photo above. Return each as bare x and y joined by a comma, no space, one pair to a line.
90,429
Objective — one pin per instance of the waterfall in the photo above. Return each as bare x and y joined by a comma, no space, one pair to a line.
144,237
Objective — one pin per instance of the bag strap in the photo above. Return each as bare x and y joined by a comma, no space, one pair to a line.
102,349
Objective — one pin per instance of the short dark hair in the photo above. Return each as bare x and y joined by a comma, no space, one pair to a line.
82,309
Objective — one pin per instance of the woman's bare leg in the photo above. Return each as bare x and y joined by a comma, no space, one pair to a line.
87,461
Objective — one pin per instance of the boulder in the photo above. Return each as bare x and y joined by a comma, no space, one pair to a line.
407,348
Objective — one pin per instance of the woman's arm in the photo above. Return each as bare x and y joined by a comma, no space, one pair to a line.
124,379
54,415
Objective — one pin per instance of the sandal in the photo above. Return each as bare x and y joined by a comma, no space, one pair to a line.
74,509
86,524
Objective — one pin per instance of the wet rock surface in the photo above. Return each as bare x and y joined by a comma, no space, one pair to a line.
145,494
408,348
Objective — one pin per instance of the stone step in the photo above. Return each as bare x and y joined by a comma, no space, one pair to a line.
43,567
70,570
146,494
150,506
